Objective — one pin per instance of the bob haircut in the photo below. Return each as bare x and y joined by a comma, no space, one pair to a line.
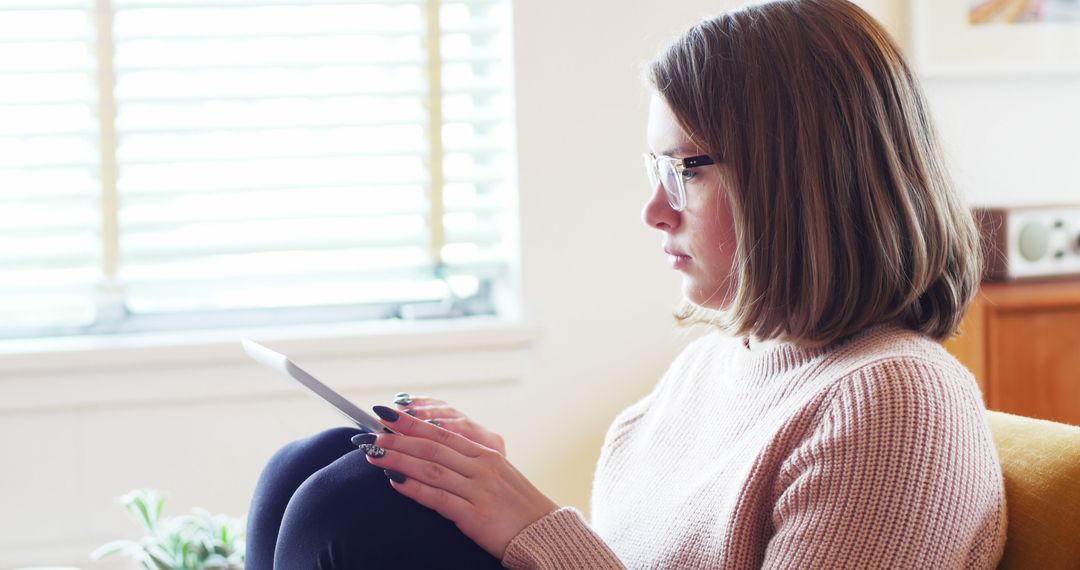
844,213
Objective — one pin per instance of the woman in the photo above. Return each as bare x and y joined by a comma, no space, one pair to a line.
799,188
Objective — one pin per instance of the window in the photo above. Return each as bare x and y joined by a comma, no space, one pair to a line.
174,164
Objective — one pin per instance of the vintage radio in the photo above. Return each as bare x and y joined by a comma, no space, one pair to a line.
1030,242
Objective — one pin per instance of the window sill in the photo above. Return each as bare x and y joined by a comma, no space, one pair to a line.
77,373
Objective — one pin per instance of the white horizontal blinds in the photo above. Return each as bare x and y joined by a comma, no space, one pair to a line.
275,154
50,217
478,139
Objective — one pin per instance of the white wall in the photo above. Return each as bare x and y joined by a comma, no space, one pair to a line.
1011,141
77,430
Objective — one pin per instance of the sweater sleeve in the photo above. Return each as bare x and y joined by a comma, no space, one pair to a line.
900,472
561,540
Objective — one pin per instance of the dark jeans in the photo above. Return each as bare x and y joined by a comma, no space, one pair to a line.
320,505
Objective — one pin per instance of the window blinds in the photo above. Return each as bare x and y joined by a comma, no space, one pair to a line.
244,160
50,248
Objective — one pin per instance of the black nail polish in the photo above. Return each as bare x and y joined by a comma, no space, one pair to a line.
402,395
386,413
397,477
372,450
362,438
411,412
403,400
434,423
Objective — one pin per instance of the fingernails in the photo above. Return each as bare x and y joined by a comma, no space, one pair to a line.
411,412
372,450
386,413
395,476
401,394
403,399
362,438
434,423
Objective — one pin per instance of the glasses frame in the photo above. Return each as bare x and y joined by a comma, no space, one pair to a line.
676,198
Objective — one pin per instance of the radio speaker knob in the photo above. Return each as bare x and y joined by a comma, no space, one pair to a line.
1034,241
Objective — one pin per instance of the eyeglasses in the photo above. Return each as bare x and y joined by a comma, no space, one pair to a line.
669,172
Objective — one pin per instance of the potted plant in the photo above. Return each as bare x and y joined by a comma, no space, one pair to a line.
198,541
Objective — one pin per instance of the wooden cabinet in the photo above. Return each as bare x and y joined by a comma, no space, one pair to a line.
1022,342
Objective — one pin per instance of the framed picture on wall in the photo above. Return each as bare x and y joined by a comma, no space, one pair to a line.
991,37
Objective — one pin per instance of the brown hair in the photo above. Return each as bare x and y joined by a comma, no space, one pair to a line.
845,214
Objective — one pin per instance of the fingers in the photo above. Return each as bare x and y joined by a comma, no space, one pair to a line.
432,473
407,425
437,412
448,505
462,426
404,399
430,411
425,408
423,450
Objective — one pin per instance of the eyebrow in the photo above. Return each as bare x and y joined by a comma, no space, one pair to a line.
680,152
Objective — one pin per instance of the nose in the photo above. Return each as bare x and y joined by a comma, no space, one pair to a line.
657,213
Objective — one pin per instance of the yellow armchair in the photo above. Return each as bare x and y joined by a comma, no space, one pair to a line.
1041,462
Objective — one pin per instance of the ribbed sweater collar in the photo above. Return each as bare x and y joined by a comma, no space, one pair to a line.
763,366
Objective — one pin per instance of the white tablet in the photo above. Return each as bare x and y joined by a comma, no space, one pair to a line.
281,364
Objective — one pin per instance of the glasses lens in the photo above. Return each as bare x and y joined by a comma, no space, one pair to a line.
650,170
669,175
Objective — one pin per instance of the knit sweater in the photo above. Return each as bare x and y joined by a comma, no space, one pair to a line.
870,453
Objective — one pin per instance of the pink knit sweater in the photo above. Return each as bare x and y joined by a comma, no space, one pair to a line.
873,453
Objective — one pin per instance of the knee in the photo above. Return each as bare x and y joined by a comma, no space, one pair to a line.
294,462
331,441
351,498
317,450
286,470
348,516
348,486
331,514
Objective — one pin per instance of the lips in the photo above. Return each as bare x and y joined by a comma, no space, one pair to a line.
678,259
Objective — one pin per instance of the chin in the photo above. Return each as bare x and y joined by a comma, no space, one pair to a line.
707,296
703,301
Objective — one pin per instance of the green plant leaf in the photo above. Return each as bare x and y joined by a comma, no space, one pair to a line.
196,541
163,559
216,561
161,564
127,547
138,503
159,507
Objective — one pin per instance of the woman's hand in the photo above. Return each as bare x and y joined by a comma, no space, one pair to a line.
470,484
439,411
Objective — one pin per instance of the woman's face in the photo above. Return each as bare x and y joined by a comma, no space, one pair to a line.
700,240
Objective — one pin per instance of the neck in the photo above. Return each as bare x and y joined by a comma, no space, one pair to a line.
758,345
